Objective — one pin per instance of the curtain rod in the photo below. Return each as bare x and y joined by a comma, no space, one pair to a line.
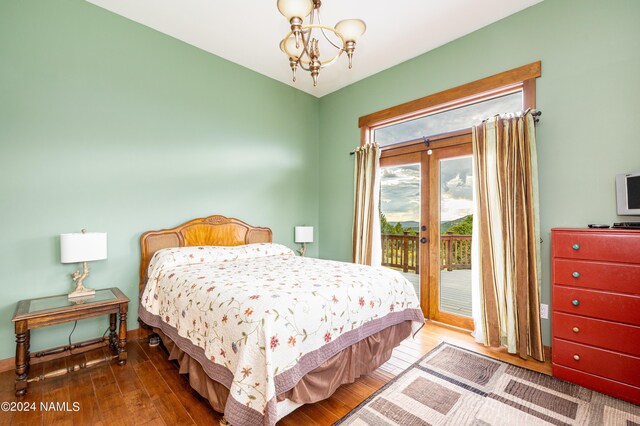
426,140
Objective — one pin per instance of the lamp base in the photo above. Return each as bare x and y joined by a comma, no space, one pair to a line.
81,292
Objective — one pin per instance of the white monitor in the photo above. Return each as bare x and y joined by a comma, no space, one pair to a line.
628,193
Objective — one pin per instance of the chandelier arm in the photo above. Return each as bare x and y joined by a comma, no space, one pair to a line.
305,45
329,40
325,34
301,64
305,42
311,22
326,28
332,60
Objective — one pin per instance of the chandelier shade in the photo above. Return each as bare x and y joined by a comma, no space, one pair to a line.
301,44
351,29
295,8
288,46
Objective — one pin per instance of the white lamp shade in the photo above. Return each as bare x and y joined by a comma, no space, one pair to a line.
295,8
303,234
83,247
351,29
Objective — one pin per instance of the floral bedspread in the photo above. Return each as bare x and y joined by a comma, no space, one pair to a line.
264,317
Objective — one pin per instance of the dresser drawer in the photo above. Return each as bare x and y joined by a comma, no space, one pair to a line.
605,334
601,362
603,246
624,278
597,304
597,383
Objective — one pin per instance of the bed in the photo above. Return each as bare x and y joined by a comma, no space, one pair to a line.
259,330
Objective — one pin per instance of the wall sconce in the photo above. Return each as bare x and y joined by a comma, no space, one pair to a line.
303,235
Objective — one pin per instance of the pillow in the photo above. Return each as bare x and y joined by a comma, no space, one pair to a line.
184,256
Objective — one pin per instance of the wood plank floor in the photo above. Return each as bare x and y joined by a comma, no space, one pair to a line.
148,390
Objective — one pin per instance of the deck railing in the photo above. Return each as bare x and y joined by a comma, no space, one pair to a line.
403,252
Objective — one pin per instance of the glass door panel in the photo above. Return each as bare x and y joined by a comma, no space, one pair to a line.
400,210
451,220
456,224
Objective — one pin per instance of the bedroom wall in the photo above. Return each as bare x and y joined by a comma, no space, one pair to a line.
588,93
111,126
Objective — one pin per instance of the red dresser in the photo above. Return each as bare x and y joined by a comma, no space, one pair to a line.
596,310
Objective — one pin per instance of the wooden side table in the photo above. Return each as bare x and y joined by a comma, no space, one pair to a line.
45,311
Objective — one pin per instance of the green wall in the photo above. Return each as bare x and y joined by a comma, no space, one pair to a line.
108,125
588,92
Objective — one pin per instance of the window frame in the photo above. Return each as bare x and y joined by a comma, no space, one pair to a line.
518,79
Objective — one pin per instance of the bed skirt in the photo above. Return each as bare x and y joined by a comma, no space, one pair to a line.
352,362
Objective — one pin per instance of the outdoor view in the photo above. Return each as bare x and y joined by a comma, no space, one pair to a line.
400,220
447,121
400,223
456,213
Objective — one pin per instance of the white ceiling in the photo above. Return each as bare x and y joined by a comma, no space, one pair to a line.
248,32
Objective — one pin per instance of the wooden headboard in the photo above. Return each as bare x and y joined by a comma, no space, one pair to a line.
208,231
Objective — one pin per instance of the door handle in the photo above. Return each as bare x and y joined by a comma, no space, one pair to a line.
423,227
423,240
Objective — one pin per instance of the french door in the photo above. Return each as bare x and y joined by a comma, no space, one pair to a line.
426,216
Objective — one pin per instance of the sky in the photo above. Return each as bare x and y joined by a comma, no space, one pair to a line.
400,186
447,121
400,190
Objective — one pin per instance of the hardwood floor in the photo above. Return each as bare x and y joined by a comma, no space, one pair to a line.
149,391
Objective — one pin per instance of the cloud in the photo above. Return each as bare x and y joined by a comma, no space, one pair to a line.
400,190
400,193
448,121
456,178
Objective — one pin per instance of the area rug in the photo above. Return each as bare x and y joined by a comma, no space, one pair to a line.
454,386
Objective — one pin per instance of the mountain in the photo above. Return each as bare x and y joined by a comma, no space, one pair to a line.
407,224
444,226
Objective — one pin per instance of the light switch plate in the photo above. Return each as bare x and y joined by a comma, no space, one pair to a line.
544,311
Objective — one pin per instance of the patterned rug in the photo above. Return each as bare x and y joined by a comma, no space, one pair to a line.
454,386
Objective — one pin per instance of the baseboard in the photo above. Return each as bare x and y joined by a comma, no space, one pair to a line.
9,364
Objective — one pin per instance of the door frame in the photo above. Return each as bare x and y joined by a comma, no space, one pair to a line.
451,145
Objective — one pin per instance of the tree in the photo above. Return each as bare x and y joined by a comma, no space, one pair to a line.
463,228
385,227
398,230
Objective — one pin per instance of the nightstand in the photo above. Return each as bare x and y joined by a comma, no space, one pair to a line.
45,311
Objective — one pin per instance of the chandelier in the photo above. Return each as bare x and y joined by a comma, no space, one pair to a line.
301,43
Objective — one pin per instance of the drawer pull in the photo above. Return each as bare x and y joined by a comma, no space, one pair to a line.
576,247
576,330
576,357
575,302
576,274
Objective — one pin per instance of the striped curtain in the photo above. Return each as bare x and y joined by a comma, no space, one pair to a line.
367,245
507,259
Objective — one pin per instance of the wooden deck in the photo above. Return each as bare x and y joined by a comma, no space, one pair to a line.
455,294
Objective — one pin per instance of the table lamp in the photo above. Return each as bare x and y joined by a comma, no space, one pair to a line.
303,235
82,247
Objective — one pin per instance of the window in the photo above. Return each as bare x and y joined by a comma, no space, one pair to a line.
447,121
426,188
